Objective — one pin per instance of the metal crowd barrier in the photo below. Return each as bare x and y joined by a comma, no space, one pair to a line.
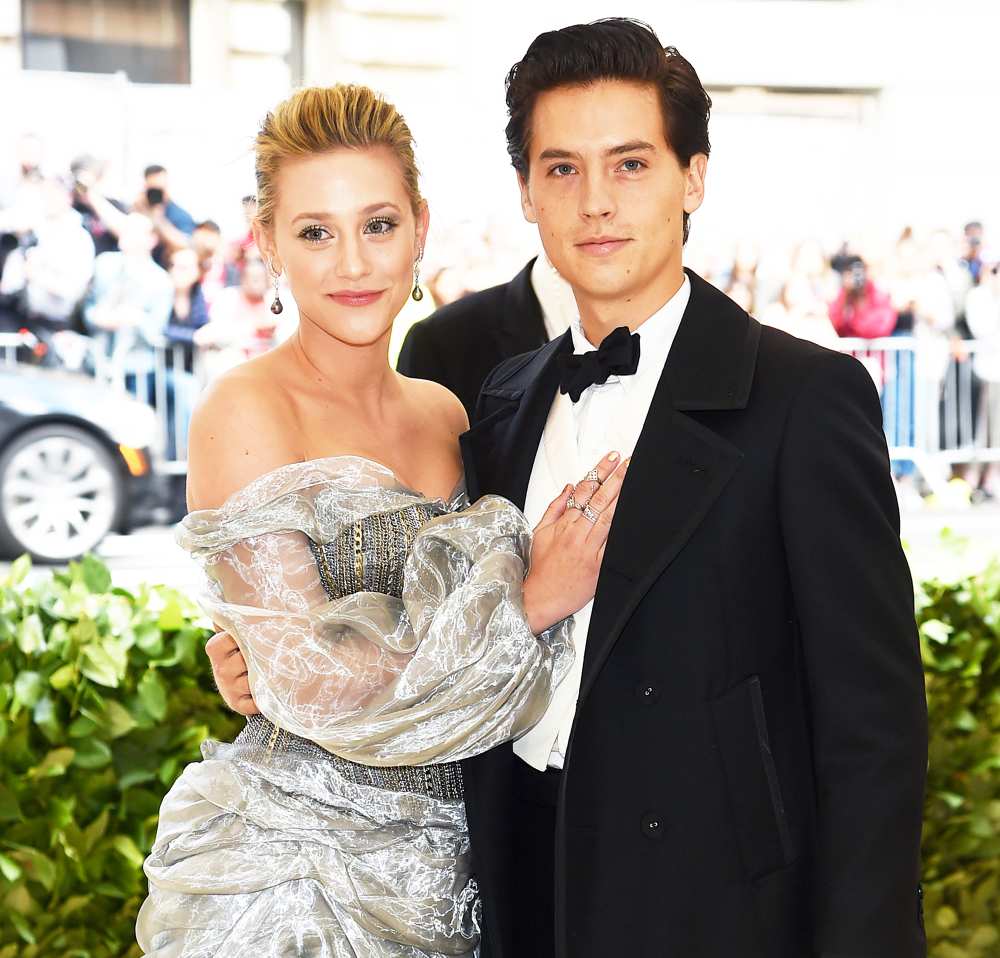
940,399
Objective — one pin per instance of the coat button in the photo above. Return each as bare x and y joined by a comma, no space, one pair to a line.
652,826
646,693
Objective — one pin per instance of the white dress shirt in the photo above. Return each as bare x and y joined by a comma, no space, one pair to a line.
577,436
555,297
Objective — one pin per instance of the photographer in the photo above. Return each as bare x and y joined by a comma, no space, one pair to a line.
861,309
102,217
173,224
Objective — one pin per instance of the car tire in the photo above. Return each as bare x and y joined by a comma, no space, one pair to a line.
61,492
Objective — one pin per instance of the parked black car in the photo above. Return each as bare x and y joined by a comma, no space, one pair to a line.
76,462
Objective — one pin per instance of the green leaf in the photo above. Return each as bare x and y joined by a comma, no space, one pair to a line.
36,866
55,763
9,868
95,830
10,808
82,727
118,721
92,753
30,635
172,616
28,688
95,574
19,570
153,695
63,677
23,928
127,849
99,667
46,717
936,630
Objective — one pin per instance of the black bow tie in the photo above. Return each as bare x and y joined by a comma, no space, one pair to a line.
618,355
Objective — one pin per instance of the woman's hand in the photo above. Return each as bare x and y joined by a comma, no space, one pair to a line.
230,671
568,546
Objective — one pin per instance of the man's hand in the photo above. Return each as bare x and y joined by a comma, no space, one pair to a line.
230,671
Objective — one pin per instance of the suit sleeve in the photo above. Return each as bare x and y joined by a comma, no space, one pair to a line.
418,358
854,602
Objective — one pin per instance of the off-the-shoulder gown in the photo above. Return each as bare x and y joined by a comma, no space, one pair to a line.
385,640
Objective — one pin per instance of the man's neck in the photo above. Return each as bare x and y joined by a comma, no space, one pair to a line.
599,317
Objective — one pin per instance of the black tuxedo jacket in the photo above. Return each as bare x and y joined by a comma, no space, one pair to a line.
745,774
460,344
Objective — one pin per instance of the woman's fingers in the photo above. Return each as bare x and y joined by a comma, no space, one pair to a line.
586,488
556,508
604,503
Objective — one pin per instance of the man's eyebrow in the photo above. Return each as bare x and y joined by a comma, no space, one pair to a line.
633,146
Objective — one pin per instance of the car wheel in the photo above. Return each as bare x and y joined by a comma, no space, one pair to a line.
60,493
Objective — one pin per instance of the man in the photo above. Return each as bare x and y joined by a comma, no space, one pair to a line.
463,342
173,224
735,768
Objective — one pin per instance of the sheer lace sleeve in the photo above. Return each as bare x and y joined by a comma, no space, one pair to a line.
446,671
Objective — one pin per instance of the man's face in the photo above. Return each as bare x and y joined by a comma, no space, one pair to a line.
157,181
607,192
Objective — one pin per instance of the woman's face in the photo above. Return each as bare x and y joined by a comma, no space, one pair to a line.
346,236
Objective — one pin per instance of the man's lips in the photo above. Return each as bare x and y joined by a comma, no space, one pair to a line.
355,297
602,245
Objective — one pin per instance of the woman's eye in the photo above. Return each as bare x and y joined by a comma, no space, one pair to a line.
314,234
380,226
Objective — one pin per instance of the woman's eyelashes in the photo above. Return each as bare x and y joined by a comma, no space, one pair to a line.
380,225
376,226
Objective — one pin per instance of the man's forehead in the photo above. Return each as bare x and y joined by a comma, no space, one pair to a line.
597,118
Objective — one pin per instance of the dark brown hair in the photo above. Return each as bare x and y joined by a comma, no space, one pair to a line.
613,49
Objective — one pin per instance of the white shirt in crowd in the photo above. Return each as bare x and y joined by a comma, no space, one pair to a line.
576,437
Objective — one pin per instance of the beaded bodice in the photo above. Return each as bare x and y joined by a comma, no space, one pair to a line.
369,556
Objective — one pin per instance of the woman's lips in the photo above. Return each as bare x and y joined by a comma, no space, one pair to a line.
602,246
359,297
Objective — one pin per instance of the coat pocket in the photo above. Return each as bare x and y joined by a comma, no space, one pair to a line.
754,790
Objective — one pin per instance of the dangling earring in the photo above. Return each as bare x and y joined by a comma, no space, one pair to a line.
276,306
418,293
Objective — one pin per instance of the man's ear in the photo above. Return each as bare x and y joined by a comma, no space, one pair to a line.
694,186
527,207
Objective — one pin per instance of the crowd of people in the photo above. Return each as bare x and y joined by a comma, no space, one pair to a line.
104,284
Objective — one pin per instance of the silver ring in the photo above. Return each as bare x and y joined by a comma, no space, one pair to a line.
594,476
571,503
591,515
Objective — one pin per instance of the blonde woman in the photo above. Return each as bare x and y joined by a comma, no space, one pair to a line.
388,628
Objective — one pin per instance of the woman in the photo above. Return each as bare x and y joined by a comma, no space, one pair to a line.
387,632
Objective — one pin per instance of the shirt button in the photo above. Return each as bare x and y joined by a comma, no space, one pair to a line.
652,826
646,693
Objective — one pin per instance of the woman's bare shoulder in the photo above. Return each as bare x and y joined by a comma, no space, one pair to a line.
440,403
242,427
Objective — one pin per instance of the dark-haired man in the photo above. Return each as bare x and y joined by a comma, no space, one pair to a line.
736,767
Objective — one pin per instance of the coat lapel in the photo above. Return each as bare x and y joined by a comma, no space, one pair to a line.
679,466
522,327
499,450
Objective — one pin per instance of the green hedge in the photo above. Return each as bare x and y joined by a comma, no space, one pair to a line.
960,641
106,695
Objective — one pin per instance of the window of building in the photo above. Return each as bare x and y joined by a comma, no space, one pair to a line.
149,40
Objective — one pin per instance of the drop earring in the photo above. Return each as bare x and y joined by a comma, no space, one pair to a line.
276,306
418,293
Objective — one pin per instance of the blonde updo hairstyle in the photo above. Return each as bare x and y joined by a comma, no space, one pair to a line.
323,118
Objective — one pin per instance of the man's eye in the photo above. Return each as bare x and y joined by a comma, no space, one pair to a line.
631,166
563,169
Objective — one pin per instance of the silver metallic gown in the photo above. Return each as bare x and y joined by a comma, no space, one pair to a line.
385,640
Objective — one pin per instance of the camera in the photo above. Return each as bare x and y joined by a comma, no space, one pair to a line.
154,196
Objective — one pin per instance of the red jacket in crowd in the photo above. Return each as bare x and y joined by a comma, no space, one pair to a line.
868,317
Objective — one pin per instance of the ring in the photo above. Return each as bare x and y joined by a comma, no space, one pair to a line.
591,515
594,476
571,503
